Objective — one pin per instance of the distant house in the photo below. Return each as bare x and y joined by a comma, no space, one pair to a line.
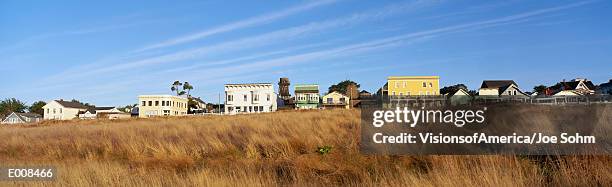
17,118
365,95
459,97
574,87
605,88
103,112
161,105
306,96
500,88
199,107
336,100
63,110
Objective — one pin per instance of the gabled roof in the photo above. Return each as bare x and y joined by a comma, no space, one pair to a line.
364,92
459,90
70,104
572,85
22,116
197,99
336,92
105,108
497,83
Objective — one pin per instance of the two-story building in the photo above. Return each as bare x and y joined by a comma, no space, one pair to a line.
62,110
250,98
161,105
411,86
336,100
306,96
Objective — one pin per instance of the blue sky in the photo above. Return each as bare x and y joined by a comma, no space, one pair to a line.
108,52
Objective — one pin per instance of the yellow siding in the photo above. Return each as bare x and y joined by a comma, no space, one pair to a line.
413,85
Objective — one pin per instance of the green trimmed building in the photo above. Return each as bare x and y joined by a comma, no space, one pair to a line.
306,96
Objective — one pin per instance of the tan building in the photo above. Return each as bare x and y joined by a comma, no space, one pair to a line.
336,100
161,105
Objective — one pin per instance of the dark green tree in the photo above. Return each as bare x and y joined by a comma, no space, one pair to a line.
539,89
452,89
342,86
11,105
37,107
188,87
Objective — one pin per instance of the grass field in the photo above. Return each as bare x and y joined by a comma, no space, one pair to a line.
264,149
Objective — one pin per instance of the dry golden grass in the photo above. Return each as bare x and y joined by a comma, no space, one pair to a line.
265,149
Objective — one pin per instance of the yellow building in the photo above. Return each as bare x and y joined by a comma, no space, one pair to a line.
412,86
336,100
161,105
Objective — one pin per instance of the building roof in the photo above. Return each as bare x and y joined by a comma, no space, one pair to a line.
457,91
497,83
22,116
571,85
335,92
306,88
71,104
197,99
30,115
105,108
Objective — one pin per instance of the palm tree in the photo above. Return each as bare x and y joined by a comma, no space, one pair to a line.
188,87
176,87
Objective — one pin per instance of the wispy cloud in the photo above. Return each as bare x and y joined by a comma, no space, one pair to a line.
258,20
385,42
263,39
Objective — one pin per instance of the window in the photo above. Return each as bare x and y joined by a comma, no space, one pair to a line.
431,85
330,100
343,100
396,84
268,98
150,103
256,109
261,108
47,110
60,110
424,84
163,103
393,93
144,103
256,97
407,93
401,94
230,98
405,84
245,98
156,103
54,111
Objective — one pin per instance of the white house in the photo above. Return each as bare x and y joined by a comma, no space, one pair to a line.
250,98
500,88
103,112
62,110
17,118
